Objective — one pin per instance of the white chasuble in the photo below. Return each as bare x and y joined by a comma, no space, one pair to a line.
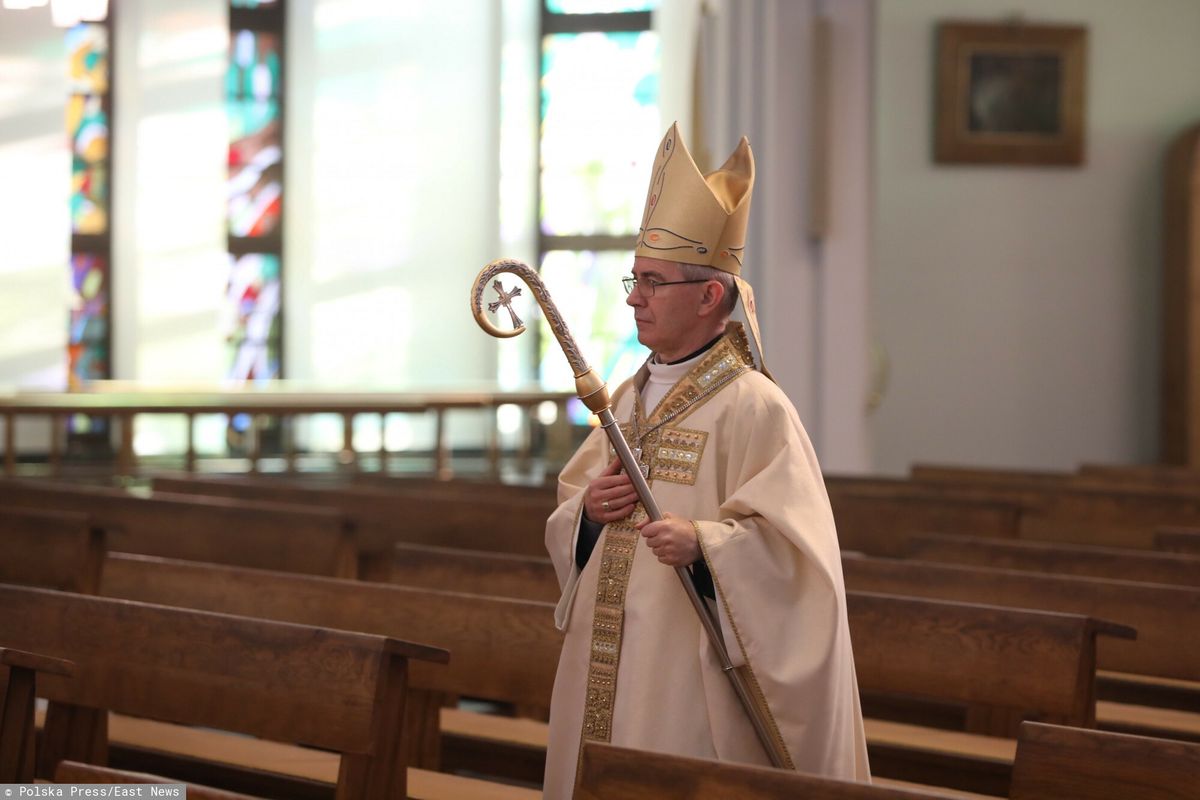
726,449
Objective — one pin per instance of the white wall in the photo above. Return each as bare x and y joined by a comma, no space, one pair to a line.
1019,306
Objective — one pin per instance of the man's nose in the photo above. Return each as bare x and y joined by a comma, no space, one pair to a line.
635,298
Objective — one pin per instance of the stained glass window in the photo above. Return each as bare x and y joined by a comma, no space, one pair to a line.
251,317
255,145
87,58
88,124
251,310
586,287
599,109
87,341
600,121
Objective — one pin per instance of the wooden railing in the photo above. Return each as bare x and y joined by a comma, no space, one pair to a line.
121,402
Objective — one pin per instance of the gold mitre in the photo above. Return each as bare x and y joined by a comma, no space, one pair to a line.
697,219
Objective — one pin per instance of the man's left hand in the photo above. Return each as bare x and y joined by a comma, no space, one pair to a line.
672,539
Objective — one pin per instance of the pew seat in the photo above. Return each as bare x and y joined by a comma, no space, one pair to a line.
1148,721
75,772
289,761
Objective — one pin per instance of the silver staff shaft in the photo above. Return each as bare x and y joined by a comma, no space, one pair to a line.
594,394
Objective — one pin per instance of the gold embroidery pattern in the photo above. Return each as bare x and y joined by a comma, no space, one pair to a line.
677,455
616,562
728,359
672,454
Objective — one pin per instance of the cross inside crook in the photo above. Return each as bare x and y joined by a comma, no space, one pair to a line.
505,300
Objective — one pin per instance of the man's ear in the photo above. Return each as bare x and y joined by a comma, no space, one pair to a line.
711,300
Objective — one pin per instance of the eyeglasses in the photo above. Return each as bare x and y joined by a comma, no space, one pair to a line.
647,286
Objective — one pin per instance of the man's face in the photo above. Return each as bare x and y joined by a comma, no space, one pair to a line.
667,321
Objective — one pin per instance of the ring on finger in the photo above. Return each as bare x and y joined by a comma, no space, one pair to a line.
605,506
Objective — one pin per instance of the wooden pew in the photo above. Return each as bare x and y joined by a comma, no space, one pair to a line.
506,650
75,772
1058,559
1073,764
267,535
1162,667
1178,540
503,650
472,571
951,473
879,522
607,772
1158,612
442,513
1158,476
1076,514
1030,663
339,691
51,549
17,695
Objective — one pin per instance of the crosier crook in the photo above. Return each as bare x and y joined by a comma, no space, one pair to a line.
594,394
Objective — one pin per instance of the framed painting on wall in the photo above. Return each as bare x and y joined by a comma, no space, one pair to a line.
1010,93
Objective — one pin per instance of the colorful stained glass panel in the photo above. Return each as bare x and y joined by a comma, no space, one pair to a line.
586,287
255,146
88,128
600,125
87,57
255,168
254,66
251,314
87,341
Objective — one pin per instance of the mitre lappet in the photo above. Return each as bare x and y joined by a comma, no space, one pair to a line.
693,218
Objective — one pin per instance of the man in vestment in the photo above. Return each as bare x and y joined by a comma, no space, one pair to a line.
745,511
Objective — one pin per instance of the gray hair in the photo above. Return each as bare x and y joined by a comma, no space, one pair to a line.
696,272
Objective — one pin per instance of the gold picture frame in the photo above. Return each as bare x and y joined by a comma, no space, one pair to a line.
1010,93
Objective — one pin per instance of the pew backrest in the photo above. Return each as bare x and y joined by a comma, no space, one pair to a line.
51,549
1067,763
1041,665
1162,615
606,772
503,649
1177,540
448,514
256,534
472,571
1144,566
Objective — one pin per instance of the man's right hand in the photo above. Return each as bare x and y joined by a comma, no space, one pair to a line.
610,496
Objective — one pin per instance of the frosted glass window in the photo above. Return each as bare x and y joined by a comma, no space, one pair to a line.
586,287
598,6
599,109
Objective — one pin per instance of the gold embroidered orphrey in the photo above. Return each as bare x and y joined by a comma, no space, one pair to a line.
671,454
